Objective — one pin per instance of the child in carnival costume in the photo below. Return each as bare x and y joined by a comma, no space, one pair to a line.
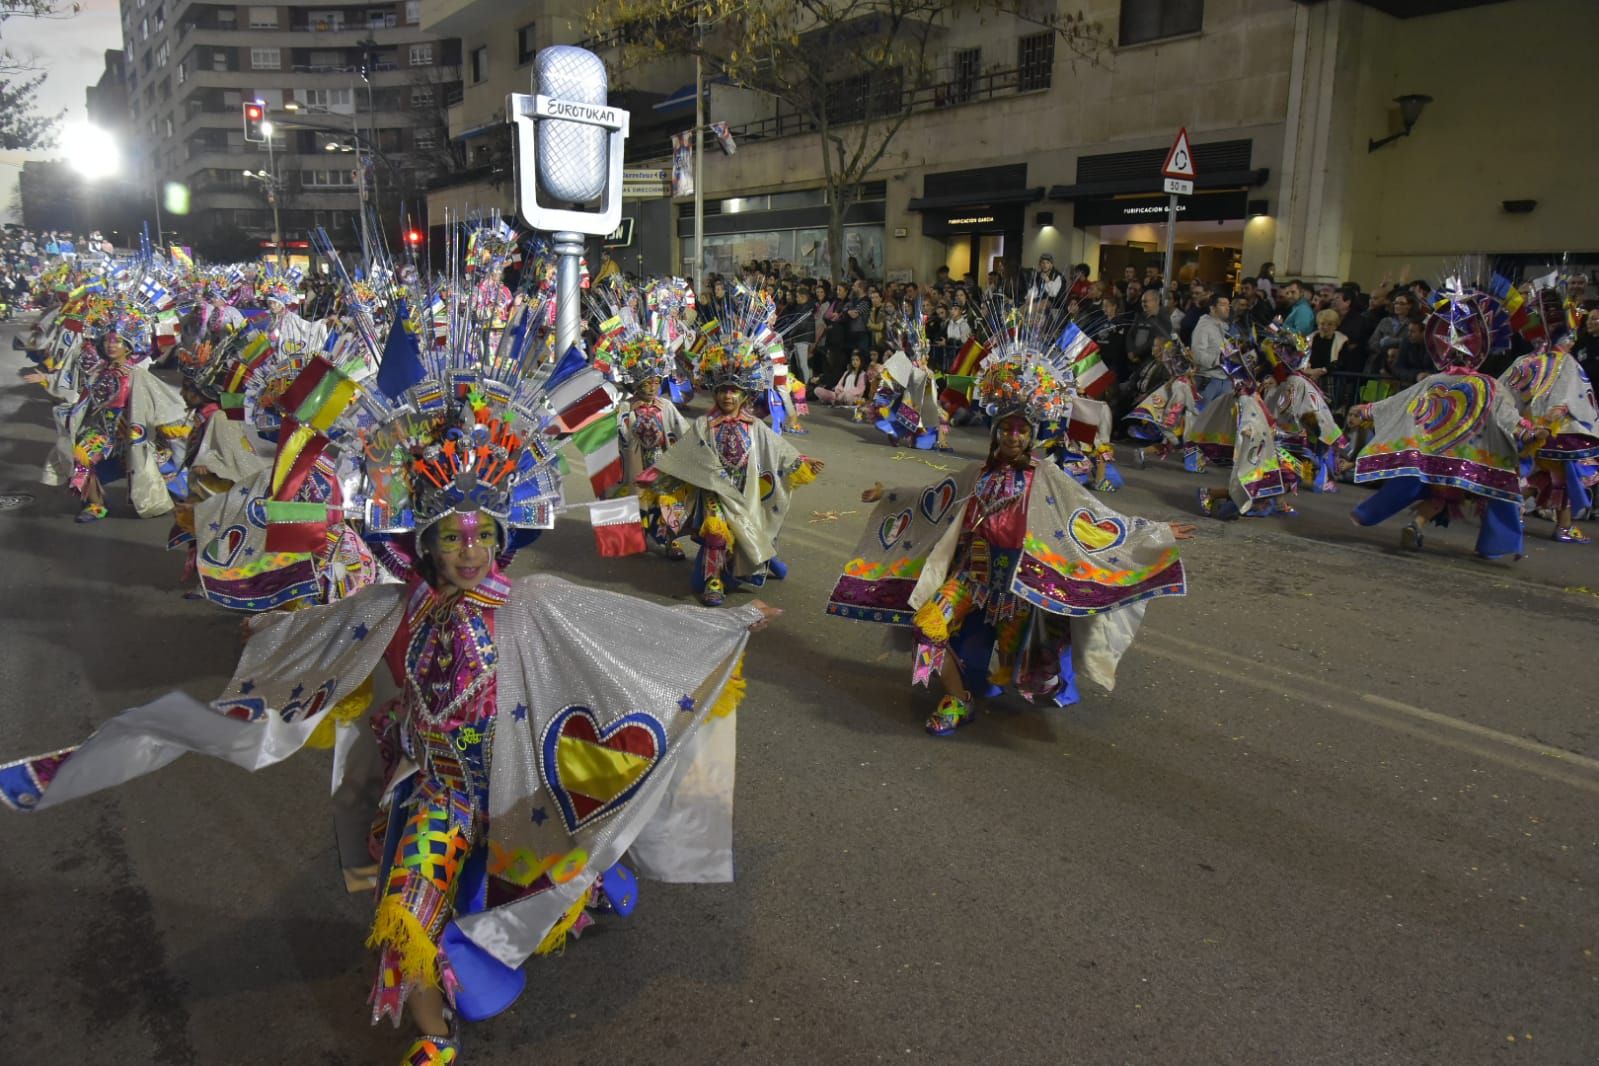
1009,571
1453,436
1306,428
1161,420
648,423
907,401
733,473
516,768
1552,391
1238,432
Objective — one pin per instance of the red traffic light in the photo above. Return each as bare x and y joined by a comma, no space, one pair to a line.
413,236
254,121
251,111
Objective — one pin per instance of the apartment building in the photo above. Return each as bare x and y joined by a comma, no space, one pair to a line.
1021,147
366,80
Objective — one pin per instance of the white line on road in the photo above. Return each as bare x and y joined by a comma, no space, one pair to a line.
1553,763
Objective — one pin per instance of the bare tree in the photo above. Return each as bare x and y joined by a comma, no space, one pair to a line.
850,71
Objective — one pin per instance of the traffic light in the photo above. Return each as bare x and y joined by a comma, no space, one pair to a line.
254,118
413,236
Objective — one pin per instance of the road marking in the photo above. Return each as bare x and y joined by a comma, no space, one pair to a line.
1551,763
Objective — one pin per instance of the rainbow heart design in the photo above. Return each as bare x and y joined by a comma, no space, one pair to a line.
1445,415
893,527
304,707
1094,534
768,486
592,770
937,500
225,547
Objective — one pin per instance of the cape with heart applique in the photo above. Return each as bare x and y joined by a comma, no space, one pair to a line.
1080,559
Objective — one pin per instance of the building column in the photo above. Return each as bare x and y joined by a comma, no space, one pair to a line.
1313,237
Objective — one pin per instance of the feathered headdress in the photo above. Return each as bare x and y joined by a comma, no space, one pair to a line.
737,350
1029,364
628,348
1459,331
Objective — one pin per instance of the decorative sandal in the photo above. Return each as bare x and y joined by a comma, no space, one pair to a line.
1572,535
950,715
675,553
712,596
91,513
433,1051
1207,506
1410,538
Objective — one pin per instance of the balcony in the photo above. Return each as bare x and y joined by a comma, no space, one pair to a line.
300,36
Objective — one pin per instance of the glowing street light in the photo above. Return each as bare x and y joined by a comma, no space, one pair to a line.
91,151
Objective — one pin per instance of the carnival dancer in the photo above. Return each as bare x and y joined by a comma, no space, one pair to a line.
1451,437
1009,563
731,471
522,768
1552,391
1161,420
648,423
906,402
1238,432
1306,428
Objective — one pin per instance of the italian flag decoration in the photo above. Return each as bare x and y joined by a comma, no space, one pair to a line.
602,456
1093,376
618,526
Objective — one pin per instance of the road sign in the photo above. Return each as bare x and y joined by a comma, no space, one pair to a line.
1179,187
1180,160
646,184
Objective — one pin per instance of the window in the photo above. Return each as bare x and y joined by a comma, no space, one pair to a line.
421,96
183,73
480,64
263,18
1155,20
968,67
168,123
421,55
325,21
227,18
326,179
265,59
427,137
144,28
525,45
1035,61
340,100
219,60
413,12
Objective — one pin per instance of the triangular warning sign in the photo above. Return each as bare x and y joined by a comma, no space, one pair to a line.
1180,160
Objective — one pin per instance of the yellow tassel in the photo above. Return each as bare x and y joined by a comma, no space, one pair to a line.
348,709
803,474
396,927
665,500
647,499
931,623
555,939
716,526
732,693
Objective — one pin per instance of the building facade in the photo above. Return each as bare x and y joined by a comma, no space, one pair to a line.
366,80
1022,147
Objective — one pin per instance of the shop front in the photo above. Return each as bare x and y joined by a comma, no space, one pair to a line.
783,228
1130,231
976,217
1121,212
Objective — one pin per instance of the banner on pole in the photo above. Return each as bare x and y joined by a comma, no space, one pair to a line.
683,163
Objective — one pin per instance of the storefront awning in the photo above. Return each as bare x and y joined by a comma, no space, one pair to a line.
998,198
1231,179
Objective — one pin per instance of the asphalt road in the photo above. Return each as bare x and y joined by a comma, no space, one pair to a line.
1341,808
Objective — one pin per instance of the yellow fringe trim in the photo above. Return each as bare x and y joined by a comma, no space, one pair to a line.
348,709
397,928
803,474
716,526
931,623
666,499
555,939
732,693
646,499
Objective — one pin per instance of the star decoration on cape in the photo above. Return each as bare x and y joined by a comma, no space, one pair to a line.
298,691
360,631
519,712
539,816
1060,534
247,687
686,704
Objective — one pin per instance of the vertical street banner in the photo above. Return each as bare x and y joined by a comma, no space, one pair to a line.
683,163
